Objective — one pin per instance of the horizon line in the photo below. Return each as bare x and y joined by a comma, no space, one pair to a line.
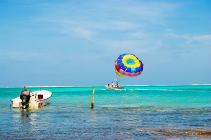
103,86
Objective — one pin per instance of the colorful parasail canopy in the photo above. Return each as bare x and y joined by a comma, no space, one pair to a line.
128,65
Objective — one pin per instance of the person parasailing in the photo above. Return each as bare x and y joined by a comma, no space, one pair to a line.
127,65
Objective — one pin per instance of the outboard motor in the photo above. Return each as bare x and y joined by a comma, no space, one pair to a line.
25,97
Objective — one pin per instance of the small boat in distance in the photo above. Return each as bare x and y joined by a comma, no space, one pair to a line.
31,100
114,86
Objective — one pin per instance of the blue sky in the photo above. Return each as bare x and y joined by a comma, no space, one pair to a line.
75,43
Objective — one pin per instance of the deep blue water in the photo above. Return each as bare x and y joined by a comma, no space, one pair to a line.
138,112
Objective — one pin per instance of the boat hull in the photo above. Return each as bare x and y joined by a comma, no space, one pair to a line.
114,88
35,101
38,104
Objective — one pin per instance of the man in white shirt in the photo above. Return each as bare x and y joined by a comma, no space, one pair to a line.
112,85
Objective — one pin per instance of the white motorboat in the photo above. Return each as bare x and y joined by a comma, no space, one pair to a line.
114,88
32,100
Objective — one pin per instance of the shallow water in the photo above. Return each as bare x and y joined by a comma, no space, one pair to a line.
138,112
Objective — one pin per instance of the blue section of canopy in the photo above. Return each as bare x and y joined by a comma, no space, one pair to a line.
120,57
141,68
120,65
128,69
133,70
124,68
119,61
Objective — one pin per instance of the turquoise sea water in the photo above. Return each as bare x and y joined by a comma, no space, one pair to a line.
138,112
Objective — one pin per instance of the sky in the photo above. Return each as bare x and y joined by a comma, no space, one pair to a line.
75,43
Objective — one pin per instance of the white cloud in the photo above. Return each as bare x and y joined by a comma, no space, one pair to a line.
84,33
116,15
78,32
172,35
122,25
206,39
134,46
139,35
152,12
96,25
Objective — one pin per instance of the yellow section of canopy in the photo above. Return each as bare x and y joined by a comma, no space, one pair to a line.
126,57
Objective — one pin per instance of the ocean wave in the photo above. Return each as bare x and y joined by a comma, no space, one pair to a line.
135,85
202,84
119,106
49,86
46,86
169,85
160,89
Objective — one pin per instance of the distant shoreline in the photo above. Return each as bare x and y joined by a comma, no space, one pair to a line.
103,86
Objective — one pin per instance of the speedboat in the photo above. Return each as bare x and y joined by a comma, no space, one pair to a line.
31,100
114,88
